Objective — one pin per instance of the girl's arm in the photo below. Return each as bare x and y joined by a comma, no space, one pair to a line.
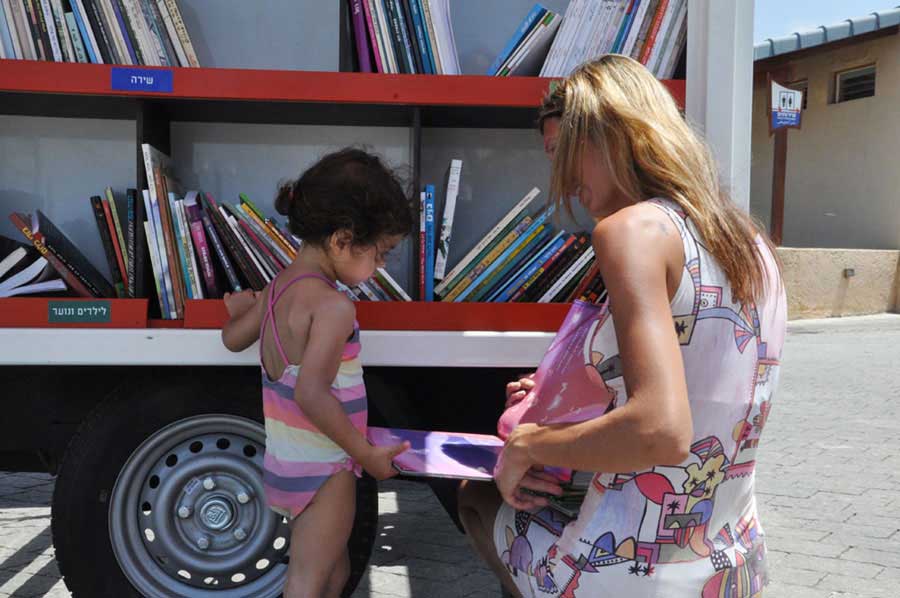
638,250
242,329
331,325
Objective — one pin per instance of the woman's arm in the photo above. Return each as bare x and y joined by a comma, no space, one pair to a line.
640,256
332,324
242,329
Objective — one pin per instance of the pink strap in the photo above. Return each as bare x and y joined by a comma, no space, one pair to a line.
270,313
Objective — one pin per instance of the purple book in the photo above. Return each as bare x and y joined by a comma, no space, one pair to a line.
455,455
361,36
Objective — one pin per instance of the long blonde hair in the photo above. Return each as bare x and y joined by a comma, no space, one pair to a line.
616,105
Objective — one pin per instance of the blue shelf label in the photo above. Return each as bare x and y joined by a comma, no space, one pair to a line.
79,312
137,79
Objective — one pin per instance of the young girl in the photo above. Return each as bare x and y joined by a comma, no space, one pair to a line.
350,211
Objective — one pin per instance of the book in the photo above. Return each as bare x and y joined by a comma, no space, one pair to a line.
501,260
396,37
373,37
500,229
505,292
204,256
541,270
422,246
20,27
432,37
175,43
130,241
552,274
161,268
87,32
530,56
443,246
568,275
508,268
389,280
409,36
446,42
125,33
78,45
183,36
31,20
223,260
360,35
382,19
8,35
24,272
441,454
49,26
13,255
232,244
23,222
534,16
106,241
429,242
156,265
180,239
421,35
114,238
653,31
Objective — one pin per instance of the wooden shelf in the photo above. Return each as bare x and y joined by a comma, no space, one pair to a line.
267,96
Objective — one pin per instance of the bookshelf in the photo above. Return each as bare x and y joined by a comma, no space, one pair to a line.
253,96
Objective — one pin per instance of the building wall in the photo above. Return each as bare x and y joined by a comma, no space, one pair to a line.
843,166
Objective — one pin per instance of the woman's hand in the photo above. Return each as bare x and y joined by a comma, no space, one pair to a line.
239,303
515,473
518,390
379,463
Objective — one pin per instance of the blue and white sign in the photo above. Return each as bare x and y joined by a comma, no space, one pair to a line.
138,79
786,106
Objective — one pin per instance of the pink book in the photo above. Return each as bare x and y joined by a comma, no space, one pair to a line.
260,244
370,25
199,236
359,33
455,455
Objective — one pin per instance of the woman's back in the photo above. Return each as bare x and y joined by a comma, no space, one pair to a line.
690,529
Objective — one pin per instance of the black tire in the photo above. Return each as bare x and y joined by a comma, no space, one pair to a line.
100,449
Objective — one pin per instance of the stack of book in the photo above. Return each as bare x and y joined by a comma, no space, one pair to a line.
526,50
404,36
133,32
23,271
521,259
654,32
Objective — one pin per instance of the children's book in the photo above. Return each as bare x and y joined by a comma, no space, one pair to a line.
454,455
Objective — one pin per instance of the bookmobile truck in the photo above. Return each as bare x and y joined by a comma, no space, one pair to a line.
153,429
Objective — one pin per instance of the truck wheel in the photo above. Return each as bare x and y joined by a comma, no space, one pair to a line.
161,495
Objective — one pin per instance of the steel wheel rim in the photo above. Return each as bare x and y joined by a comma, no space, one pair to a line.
188,516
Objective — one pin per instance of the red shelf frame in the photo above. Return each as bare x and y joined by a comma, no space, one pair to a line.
291,86
420,316
33,312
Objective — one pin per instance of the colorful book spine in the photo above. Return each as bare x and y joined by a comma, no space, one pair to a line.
78,45
106,241
429,242
167,282
21,222
624,25
52,33
649,44
488,256
528,270
440,265
219,248
518,243
120,259
359,34
192,210
389,280
174,40
155,264
582,261
514,261
545,267
552,274
279,247
232,245
534,16
117,222
183,36
422,296
130,241
421,36
373,38
87,33
179,238
476,254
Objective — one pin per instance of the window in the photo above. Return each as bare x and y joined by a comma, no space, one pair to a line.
854,84
801,85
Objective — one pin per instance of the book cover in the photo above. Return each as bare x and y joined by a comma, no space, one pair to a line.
360,35
429,242
198,234
507,223
68,253
539,259
219,249
497,263
410,38
534,16
509,265
373,38
520,225
461,455
443,248
100,216
23,222
183,35
421,35
130,195
544,267
112,220
422,296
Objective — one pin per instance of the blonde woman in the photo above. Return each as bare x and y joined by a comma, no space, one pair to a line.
692,350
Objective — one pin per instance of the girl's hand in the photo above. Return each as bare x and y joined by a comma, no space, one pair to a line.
516,391
515,472
379,463
239,303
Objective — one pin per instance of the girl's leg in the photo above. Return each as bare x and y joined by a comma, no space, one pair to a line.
319,538
339,576
478,506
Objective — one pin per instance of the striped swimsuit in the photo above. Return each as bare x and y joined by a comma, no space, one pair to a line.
299,457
